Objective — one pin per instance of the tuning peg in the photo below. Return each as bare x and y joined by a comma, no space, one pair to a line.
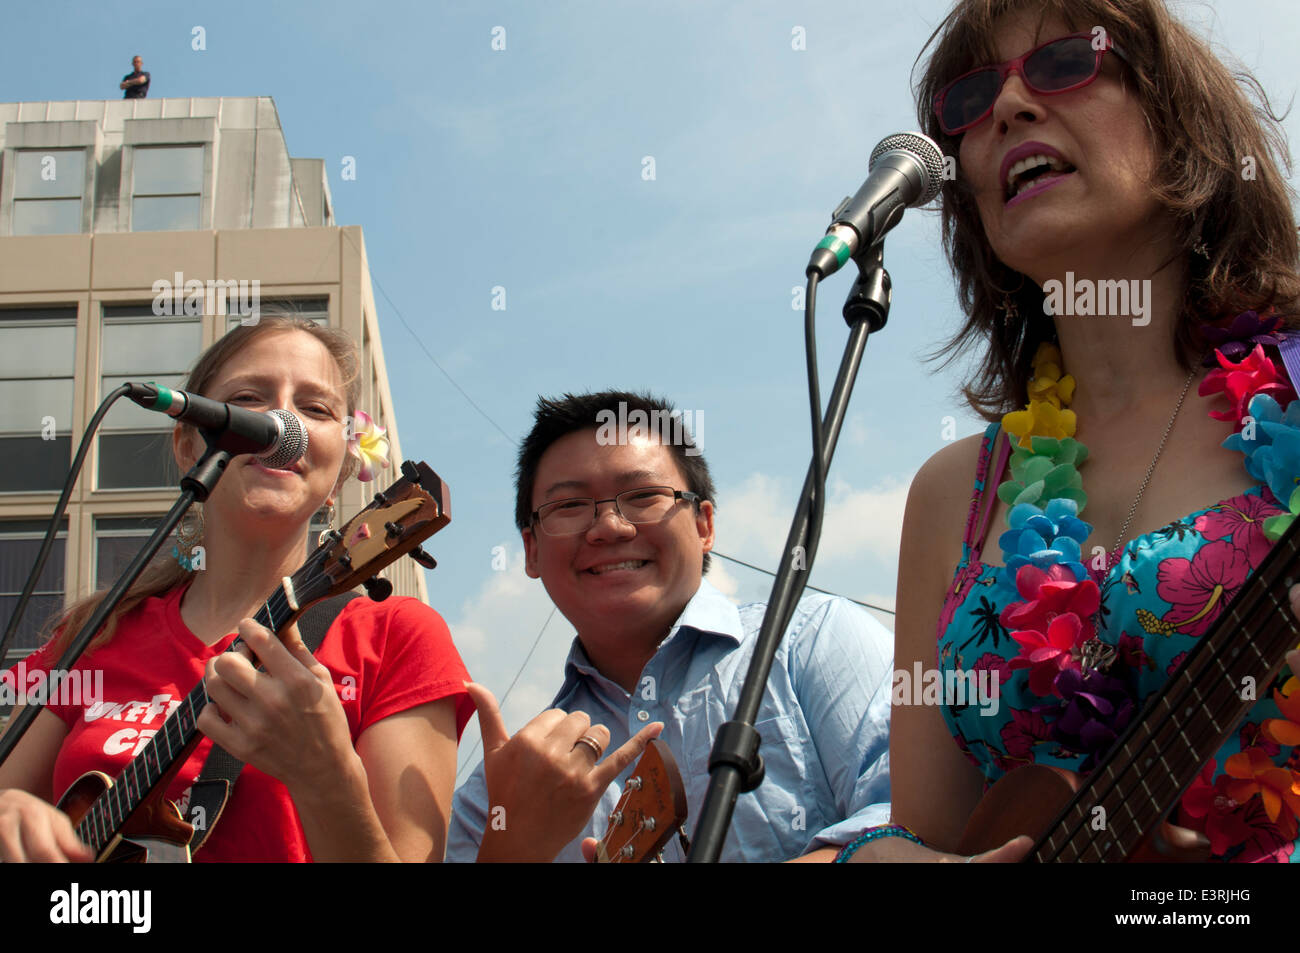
345,561
381,499
410,471
393,530
378,588
423,558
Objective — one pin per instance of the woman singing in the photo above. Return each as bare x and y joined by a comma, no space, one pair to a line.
1125,249
350,755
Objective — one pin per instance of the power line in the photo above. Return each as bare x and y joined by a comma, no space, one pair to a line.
502,703
397,311
814,588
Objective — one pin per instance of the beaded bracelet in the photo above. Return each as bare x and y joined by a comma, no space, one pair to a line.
871,833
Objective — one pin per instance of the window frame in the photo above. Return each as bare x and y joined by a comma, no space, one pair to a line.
199,195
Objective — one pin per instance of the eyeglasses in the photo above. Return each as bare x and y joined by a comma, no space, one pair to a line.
1058,66
645,504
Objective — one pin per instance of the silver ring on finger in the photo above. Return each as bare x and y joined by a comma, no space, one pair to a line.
591,743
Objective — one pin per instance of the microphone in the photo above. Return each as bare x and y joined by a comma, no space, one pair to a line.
276,437
905,171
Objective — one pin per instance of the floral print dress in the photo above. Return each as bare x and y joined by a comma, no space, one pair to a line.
1164,593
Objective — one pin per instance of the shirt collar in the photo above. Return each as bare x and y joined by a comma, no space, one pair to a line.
709,612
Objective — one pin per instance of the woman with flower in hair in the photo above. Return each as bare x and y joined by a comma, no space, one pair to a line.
1101,147
349,754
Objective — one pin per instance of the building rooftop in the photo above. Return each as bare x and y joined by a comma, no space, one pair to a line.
118,165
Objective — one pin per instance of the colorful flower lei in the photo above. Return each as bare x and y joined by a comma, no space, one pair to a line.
1086,704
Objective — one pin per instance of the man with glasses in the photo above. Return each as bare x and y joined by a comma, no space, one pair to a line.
620,533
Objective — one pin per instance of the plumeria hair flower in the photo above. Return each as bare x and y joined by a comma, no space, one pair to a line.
368,443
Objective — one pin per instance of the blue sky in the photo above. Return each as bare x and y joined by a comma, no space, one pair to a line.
523,168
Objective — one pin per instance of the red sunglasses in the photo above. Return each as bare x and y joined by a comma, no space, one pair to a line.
1058,66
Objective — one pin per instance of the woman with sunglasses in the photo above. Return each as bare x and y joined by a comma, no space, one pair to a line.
1118,215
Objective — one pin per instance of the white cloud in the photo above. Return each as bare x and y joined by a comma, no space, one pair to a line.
858,523
494,630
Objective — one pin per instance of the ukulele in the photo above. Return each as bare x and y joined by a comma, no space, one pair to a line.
1114,812
651,809
128,818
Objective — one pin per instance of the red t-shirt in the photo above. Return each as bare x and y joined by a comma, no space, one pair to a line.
385,657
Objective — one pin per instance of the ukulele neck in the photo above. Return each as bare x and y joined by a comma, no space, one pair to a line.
172,744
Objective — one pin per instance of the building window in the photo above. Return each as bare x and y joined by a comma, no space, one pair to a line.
20,541
48,187
166,188
313,309
118,539
134,443
37,350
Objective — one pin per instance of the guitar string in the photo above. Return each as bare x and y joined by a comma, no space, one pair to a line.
117,800
1271,623
1117,786
119,796
618,809
1270,630
1202,665
1125,781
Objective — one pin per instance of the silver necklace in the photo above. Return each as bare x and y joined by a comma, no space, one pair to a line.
1146,480
1095,654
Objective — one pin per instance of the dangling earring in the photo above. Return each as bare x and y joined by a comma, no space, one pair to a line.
1010,313
189,534
329,525
1009,310
1201,249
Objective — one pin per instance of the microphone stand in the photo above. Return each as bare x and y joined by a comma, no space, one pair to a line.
195,485
735,765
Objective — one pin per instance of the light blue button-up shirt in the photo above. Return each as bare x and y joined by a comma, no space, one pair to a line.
824,723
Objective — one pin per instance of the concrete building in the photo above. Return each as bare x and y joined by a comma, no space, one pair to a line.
103,203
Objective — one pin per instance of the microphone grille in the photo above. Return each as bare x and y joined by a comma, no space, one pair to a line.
921,148
292,445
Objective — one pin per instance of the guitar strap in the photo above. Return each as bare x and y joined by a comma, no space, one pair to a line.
212,789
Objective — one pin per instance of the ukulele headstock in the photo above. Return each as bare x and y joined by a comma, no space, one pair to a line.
399,518
651,809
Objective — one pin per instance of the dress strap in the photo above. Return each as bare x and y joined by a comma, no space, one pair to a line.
993,446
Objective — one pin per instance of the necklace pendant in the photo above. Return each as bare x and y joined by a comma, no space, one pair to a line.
1096,655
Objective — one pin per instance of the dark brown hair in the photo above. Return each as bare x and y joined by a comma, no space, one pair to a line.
165,573
1205,123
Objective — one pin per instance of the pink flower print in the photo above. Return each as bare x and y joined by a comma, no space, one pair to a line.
1021,733
1199,588
995,664
1132,652
1251,737
1241,521
1267,842
1175,663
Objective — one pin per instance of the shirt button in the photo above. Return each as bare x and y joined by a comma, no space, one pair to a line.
643,715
